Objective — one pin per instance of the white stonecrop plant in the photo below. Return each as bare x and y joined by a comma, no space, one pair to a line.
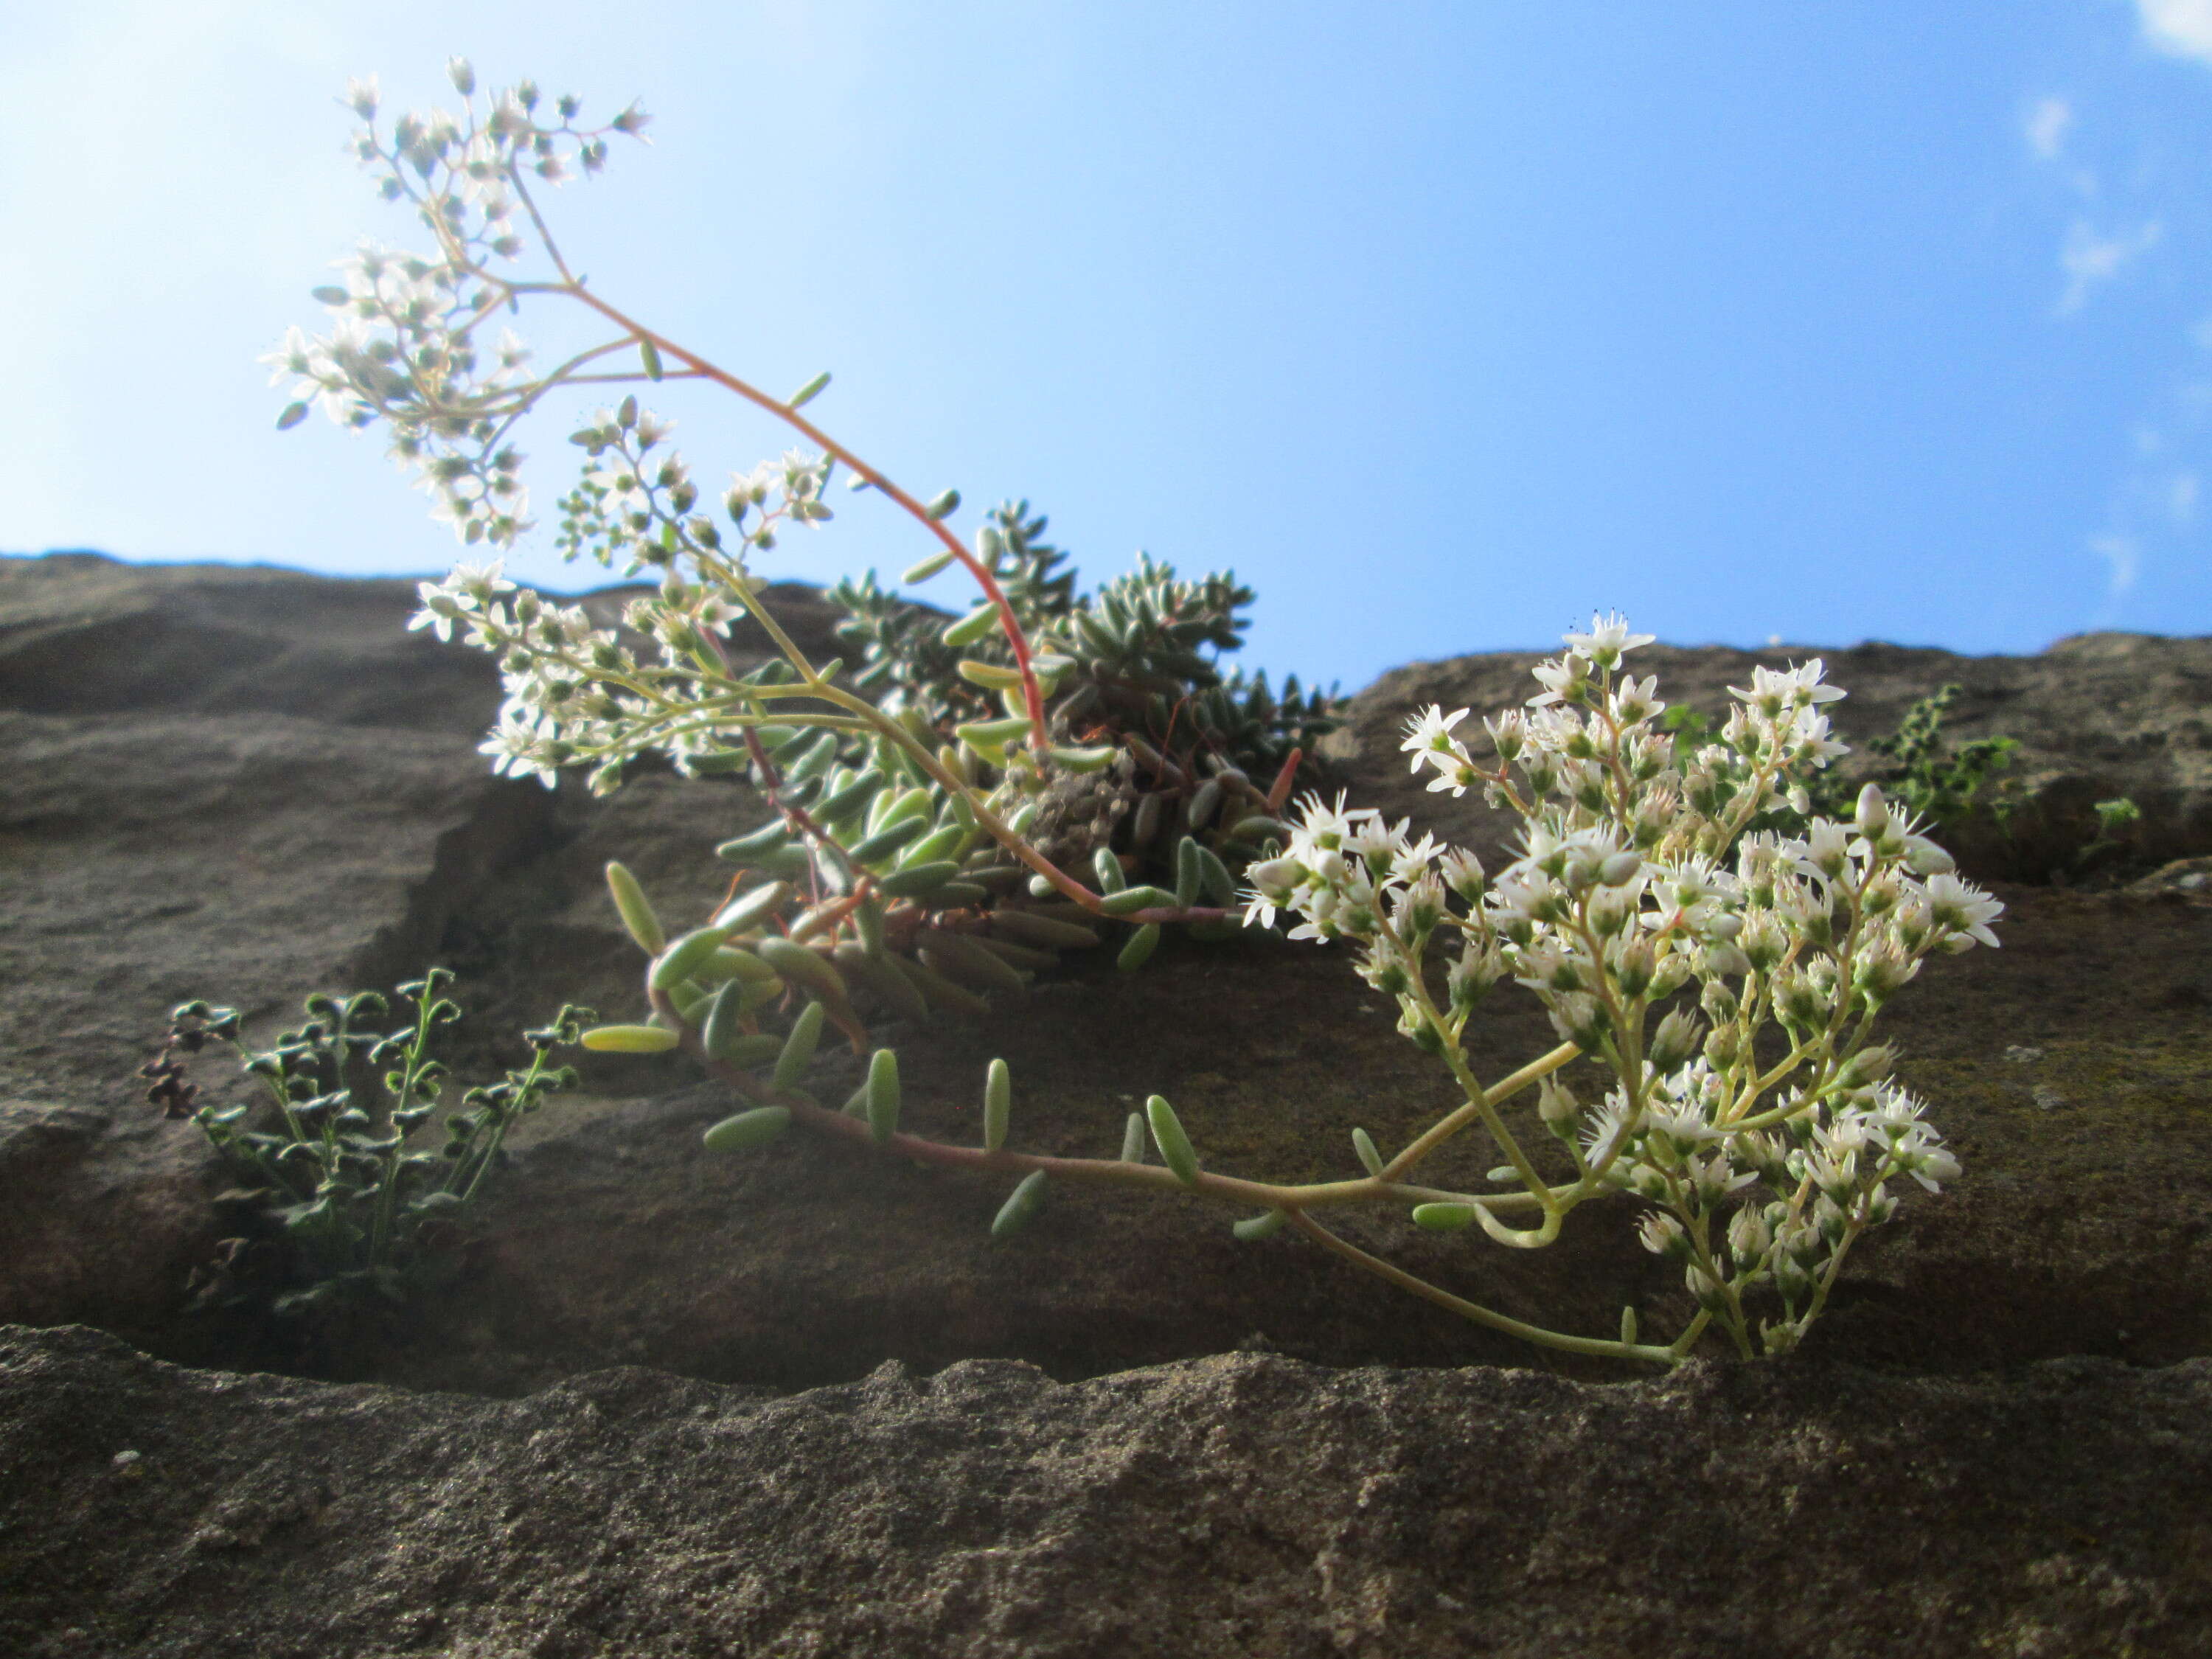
1721,977
1753,1119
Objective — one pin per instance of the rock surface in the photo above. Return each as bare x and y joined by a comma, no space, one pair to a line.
2096,716
248,784
1244,1504
240,782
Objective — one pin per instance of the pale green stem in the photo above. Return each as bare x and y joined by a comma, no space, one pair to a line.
1610,1348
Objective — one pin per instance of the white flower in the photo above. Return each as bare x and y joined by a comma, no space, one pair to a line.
1662,1235
480,581
1607,640
1775,691
1376,838
1605,1126
1808,736
1430,734
1931,1166
1635,701
1325,826
439,611
1410,862
1562,679
521,747
1462,873
1749,1234
1963,907
1684,1128
1275,882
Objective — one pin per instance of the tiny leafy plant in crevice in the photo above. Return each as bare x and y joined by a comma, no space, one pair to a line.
2115,841
342,1204
1923,778
1924,775
966,799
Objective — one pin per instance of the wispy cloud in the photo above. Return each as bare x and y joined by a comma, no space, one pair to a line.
2124,562
2090,260
2180,28
2156,514
2046,126
2154,508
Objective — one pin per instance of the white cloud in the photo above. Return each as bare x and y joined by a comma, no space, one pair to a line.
2181,499
2047,124
2090,259
2124,560
2182,28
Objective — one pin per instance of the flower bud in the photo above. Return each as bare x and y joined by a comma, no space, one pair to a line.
1674,1042
1672,974
1661,1235
1557,1105
1634,967
1802,1246
1749,1236
1924,858
1725,959
1829,1218
1705,1289
1872,813
1868,1066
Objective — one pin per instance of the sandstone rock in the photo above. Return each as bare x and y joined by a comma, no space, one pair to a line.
1242,1505
242,782
2096,716
250,784
330,823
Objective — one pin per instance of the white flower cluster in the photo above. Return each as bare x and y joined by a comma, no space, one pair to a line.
1641,883
403,346
400,351
580,694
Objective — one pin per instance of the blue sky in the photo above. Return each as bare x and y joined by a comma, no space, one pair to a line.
1442,324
